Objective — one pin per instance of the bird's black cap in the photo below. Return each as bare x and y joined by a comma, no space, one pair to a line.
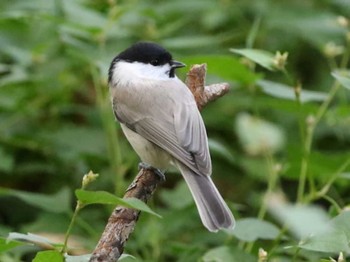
145,52
148,53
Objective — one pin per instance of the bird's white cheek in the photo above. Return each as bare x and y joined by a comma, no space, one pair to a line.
125,72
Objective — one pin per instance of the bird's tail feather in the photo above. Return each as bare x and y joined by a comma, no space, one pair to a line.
212,209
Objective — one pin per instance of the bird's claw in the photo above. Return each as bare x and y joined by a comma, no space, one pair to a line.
157,171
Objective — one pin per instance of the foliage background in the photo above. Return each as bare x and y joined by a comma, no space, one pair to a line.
56,124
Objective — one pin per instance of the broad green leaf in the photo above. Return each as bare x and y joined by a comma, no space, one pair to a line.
300,220
86,258
103,197
218,254
57,203
287,92
7,244
334,238
181,42
31,238
17,75
345,175
71,141
49,255
225,253
258,136
138,204
343,77
97,197
261,57
77,13
126,257
252,229
313,25
82,258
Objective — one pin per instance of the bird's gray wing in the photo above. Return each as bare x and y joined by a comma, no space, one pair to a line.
174,124
192,136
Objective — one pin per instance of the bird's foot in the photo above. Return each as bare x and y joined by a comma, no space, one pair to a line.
158,172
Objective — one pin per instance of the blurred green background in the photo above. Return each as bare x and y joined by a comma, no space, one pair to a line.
270,148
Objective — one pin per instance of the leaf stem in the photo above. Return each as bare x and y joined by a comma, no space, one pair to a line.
78,207
253,32
272,180
323,191
333,202
310,130
305,163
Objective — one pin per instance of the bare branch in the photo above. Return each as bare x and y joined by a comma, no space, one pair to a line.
123,220
204,94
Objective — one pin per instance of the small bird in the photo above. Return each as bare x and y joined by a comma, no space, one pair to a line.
159,117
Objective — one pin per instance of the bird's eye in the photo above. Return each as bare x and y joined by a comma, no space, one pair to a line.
155,62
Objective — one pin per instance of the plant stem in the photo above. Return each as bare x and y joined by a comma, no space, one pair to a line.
253,32
333,202
311,129
308,141
323,191
323,108
305,163
78,207
272,180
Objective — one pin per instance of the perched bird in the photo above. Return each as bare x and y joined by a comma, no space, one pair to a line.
159,116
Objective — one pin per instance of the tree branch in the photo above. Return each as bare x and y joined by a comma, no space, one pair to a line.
123,220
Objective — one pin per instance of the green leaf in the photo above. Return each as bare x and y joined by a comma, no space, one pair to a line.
6,244
86,258
138,204
287,92
103,197
50,255
313,25
343,77
345,175
82,258
334,238
31,238
57,203
224,253
252,229
126,257
261,57
258,136
301,220
71,141
17,75
98,197
185,42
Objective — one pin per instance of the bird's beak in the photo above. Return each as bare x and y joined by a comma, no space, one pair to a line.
176,64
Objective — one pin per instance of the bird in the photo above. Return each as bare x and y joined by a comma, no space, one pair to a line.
160,119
